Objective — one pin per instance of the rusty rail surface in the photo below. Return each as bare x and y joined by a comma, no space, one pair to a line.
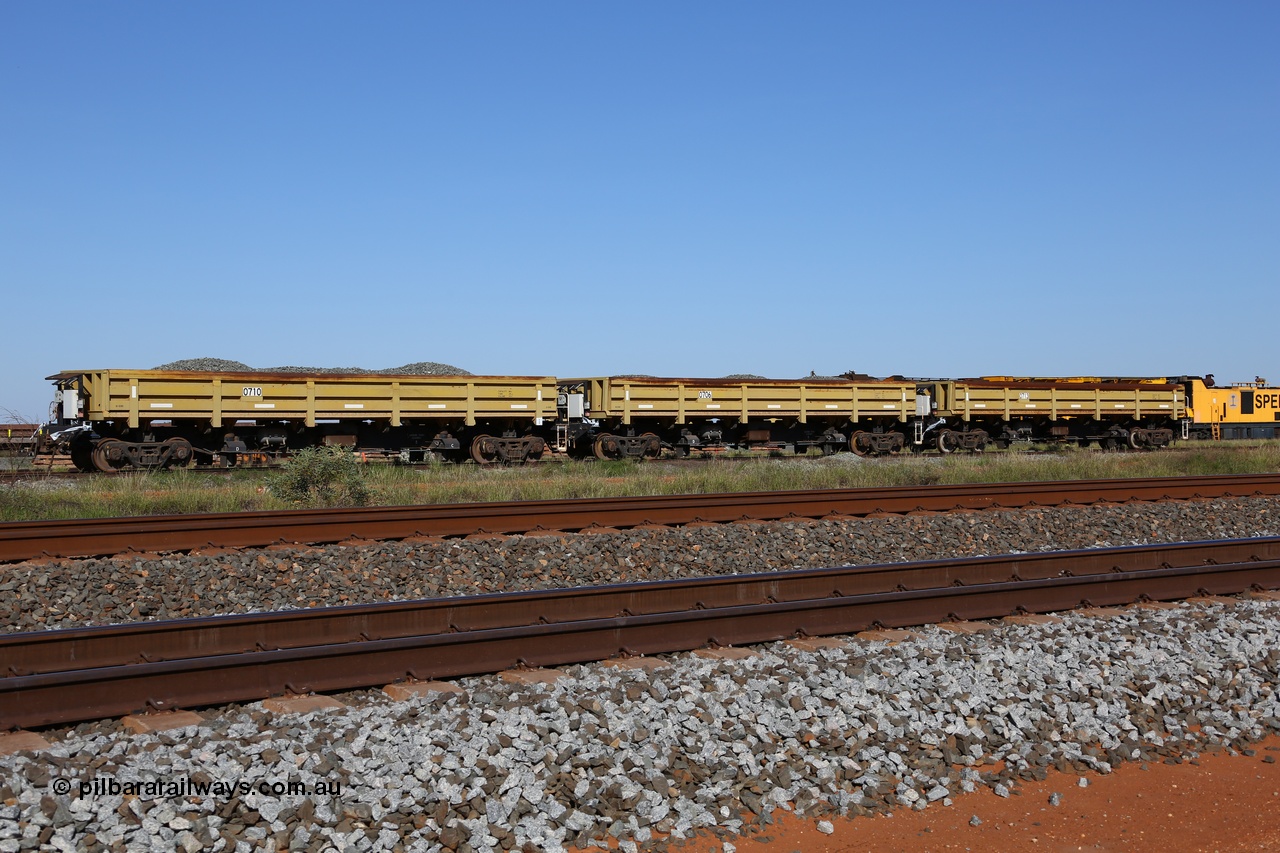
62,676
95,537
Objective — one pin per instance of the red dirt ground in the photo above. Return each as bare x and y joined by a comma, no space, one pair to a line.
1226,805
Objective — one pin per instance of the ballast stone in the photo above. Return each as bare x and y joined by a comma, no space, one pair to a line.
566,758
292,578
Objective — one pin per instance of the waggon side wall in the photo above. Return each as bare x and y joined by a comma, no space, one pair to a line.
970,399
139,396
680,400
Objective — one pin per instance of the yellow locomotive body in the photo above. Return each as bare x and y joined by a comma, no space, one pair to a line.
1239,410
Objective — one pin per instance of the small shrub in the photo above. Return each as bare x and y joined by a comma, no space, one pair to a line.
321,476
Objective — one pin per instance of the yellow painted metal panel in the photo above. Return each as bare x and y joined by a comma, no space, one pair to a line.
141,396
686,399
1063,402
1241,403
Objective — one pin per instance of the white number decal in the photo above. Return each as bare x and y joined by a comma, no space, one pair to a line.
251,391
704,395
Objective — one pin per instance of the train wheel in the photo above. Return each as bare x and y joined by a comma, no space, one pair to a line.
605,447
1135,439
652,445
858,444
108,455
947,442
180,453
82,457
483,450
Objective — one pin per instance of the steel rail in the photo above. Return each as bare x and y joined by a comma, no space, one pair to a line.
665,617
142,642
95,537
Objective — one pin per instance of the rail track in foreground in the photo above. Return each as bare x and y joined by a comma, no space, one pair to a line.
53,677
99,537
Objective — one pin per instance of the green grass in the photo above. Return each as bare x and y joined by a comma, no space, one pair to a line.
188,492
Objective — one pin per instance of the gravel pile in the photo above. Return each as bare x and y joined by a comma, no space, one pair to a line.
417,368
40,595
698,745
222,365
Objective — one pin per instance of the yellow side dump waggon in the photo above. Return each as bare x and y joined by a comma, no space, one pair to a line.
829,414
1081,409
138,396
114,419
111,420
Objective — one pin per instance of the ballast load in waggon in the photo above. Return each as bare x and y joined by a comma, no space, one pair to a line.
112,420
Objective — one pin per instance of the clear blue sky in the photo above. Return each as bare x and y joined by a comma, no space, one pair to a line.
697,189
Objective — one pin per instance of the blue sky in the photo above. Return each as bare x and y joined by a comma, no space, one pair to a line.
696,189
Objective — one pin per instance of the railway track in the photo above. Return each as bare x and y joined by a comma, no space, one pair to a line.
97,537
63,676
